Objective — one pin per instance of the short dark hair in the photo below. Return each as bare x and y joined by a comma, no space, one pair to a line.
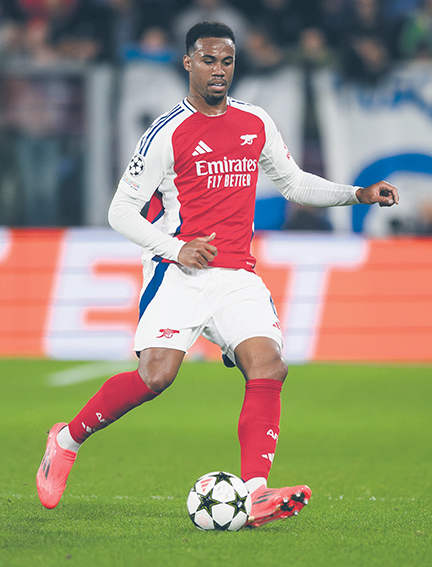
207,29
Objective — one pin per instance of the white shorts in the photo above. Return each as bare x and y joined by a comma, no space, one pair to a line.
226,306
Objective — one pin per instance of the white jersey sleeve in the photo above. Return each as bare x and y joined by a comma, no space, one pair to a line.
125,217
295,184
151,165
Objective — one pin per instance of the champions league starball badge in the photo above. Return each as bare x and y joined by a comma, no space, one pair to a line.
136,165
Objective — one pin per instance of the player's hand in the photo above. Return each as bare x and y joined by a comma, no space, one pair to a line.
198,253
383,193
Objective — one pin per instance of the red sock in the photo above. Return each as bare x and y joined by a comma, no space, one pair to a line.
258,427
117,396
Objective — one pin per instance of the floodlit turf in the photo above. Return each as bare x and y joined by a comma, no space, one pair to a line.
360,436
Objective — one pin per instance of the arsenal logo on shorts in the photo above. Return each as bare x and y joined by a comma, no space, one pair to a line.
167,333
136,165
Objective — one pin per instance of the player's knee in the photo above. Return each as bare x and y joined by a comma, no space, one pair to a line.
157,382
275,369
279,370
158,368
261,357
156,377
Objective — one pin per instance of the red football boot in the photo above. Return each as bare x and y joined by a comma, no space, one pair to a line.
270,504
54,469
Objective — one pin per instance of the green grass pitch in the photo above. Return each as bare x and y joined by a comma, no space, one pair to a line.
359,436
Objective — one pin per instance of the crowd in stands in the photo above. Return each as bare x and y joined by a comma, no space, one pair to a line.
362,37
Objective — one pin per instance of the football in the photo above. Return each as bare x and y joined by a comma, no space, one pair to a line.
219,501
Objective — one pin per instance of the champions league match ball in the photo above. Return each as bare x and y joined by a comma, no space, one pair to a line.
219,501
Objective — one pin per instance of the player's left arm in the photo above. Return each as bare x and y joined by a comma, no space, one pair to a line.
308,189
382,192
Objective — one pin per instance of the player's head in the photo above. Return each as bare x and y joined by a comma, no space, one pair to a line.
207,29
210,60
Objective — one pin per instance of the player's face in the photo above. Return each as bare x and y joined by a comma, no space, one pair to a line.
211,69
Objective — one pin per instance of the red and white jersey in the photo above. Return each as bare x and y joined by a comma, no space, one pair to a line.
193,174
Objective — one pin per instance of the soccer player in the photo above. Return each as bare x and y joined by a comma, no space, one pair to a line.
187,198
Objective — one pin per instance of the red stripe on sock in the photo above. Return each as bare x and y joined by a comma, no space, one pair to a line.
258,427
118,395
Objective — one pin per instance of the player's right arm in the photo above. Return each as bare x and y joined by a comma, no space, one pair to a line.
151,168
151,164
125,217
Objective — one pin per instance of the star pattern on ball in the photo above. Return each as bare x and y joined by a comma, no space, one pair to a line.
239,504
136,165
221,528
207,502
223,476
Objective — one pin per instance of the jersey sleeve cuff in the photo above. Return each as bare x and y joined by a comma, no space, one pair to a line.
176,247
356,201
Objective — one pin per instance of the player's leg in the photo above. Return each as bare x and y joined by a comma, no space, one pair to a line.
264,369
165,304
261,363
157,369
249,333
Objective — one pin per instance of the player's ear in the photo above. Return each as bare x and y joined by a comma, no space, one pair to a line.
187,63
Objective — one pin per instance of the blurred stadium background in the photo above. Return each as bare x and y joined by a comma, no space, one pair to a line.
349,83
